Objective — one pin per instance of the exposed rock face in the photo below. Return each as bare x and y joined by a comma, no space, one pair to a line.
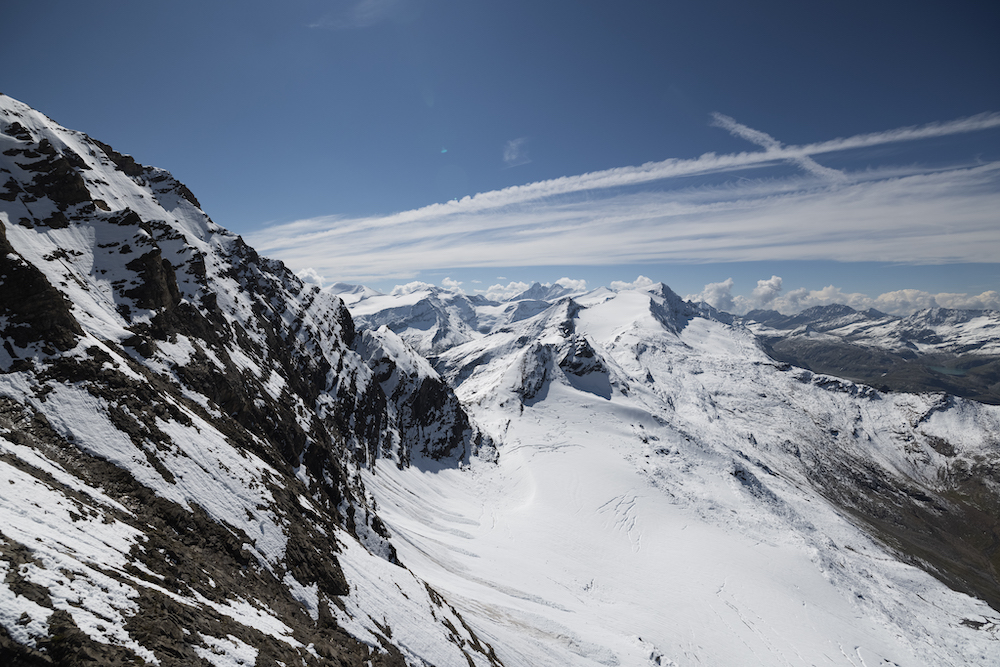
36,312
422,405
181,426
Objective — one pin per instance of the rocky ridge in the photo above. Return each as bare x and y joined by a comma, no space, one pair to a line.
182,423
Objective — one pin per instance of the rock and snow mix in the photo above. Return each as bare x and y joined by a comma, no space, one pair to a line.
927,331
937,350
203,462
181,428
663,495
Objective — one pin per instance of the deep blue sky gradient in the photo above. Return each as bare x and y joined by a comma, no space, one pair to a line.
274,112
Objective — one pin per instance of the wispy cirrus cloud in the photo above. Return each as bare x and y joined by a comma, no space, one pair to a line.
892,214
769,143
515,152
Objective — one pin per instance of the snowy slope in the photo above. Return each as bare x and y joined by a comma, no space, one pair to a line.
665,493
182,423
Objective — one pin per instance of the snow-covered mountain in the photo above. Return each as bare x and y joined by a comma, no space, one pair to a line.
429,318
954,351
930,331
667,493
209,462
182,426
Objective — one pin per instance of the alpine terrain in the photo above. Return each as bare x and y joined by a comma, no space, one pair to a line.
952,351
205,461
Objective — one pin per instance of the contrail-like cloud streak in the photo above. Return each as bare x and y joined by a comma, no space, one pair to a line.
769,143
912,214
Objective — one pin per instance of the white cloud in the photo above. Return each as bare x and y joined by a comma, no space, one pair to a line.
500,292
410,288
572,285
310,275
515,152
504,292
800,299
717,295
913,214
906,301
720,296
899,302
766,291
453,285
638,283
989,300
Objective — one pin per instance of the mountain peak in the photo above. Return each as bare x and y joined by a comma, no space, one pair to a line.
182,422
539,292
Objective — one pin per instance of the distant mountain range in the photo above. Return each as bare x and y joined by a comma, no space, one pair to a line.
952,351
205,461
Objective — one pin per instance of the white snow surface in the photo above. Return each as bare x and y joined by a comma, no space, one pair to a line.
388,601
73,545
24,619
227,651
614,529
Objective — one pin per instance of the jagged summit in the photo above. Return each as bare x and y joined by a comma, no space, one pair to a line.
539,292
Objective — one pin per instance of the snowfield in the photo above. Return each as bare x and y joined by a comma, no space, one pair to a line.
651,509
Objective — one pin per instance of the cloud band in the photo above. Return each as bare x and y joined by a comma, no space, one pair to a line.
913,214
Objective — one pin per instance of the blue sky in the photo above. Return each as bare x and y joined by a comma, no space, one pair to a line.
693,143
